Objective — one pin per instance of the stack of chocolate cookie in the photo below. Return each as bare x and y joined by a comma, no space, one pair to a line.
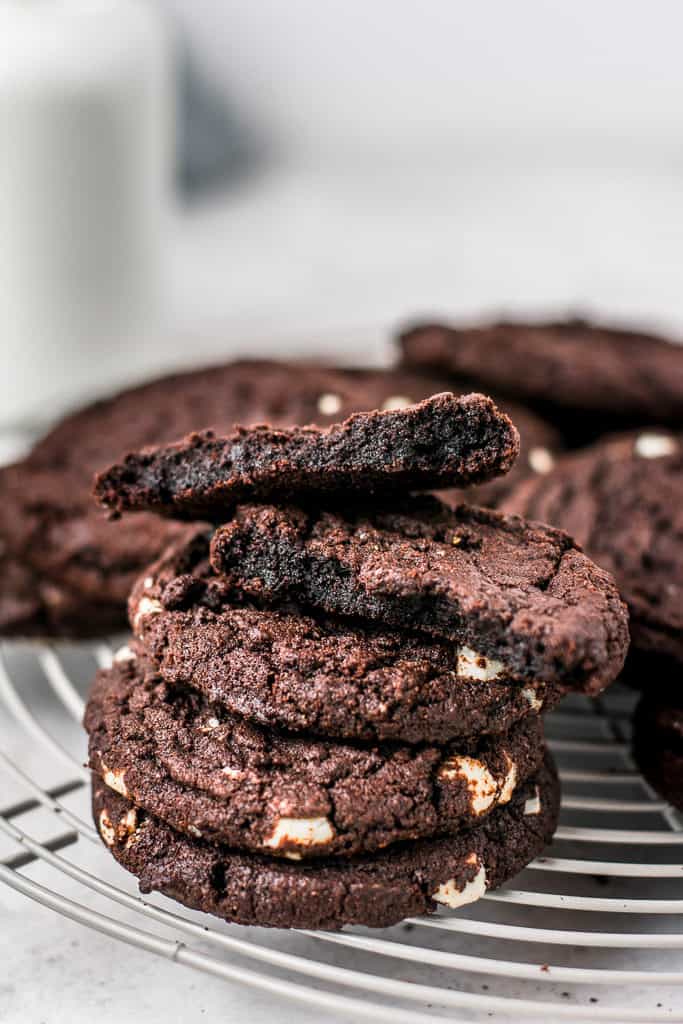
331,709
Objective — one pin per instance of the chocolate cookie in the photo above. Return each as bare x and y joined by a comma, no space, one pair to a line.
377,890
442,442
288,669
520,594
208,773
249,392
610,377
623,501
540,445
658,744
67,571
20,598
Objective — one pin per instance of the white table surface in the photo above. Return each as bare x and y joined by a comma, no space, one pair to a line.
278,265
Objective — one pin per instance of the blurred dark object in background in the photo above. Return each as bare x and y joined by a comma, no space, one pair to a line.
215,148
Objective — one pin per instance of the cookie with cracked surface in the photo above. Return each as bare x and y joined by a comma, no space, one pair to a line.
623,501
588,378
522,594
376,890
66,570
443,441
658,744
209,773
290,669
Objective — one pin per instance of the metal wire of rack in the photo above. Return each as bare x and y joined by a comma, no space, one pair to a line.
590,931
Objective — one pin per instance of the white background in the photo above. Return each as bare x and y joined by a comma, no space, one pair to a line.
424,156
432,156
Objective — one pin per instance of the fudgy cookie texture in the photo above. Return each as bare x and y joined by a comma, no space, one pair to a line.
377,891
623,501
249,392
658,744
287,668
63,568
612,377
521,594
444,441
540,445
210,774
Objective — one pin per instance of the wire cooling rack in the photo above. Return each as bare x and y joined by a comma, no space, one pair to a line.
593,930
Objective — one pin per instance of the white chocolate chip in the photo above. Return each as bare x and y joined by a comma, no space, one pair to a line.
510,782
232,773
148,583
476,666
302,831
194,831
129,821
533,698
292,855
124,654
533,804
106,828
449,894
480,782
540,460
655,446
114,779
51,594
396,402
146,606
329,404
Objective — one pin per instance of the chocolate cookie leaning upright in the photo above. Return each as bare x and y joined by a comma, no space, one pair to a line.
444,441
623,501
521,595
584,377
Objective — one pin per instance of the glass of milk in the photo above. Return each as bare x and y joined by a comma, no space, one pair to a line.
85,173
